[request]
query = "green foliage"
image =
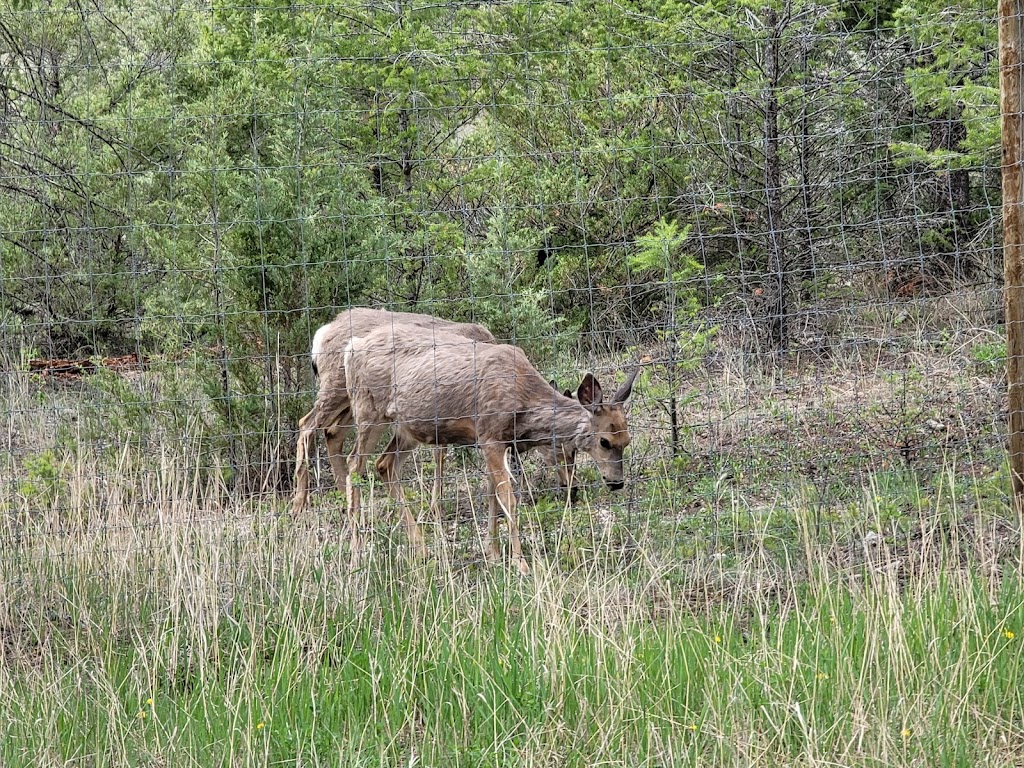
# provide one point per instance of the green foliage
(507, 300)
(41, 483)
(83, 159)
(953, 48)
(226, 177)
(673, 275)
(990, 357)
(134, 418)
(952, 82)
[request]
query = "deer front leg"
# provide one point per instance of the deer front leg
(435, 493)
(502, 496)
(389, 467)
(567, 473)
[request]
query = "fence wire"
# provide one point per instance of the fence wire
(787, 212)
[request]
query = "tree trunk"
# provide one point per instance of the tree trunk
(805, 264)
(778, 311)
(954, 191)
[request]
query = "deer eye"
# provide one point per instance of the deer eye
(605, 444)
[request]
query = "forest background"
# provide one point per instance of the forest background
(212, 181)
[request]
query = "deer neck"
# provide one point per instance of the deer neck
(556, 420)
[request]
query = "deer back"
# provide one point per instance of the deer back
(331, 339)
(444, 388)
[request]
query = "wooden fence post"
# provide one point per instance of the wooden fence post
(1010, 83)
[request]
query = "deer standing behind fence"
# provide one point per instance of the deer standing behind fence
(437, 388)
(331, 412)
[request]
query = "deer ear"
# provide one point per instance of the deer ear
(589, 391)
(554, 385)
(627, 387)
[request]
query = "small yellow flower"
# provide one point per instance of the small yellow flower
(260, 726)
(821, 676)
(718, 638)
(150, 701)
(1009, 634)
(905, 733)
(142, 714)
(692, 727)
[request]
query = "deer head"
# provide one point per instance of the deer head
(609, 432)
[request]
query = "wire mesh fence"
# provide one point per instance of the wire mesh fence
(783, 216)
(786, 212)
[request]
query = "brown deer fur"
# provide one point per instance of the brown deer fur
(331, 411)
(437, 388)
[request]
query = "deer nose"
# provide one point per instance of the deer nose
(616, 485)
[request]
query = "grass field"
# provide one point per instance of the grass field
(246, 639)
(821, 578)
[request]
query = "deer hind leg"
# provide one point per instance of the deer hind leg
(335, 436)
(316, 419)
(435, 493)
(302, 447)
(503, 498)
(366, 438)
(331, 408)
(389, 467)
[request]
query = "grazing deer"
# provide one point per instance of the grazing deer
(437, 388)
(331, 411)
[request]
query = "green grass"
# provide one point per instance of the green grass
(790, 592)
(160, 628)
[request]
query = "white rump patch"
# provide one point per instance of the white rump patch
(347, 358)
(318, 341)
